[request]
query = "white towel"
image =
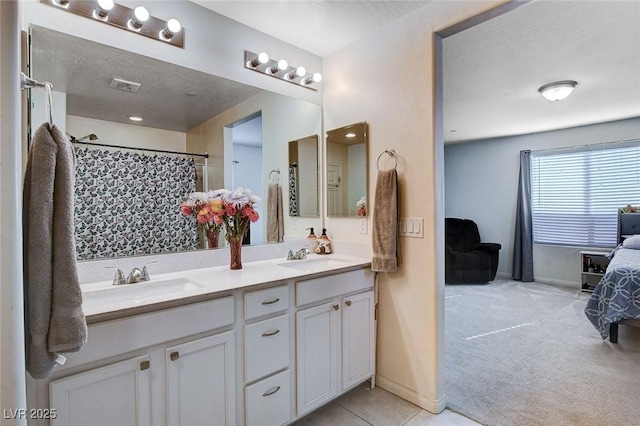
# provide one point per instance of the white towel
(54, 321)
(275, 219)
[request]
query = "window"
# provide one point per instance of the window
(576, 193)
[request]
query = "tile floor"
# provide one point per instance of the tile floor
(364, 406)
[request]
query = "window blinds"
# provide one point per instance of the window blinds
(576, 193)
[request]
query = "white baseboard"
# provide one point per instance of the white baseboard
(552, 281)
(431, 405)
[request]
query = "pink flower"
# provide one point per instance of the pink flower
(252, 215)
(217, 219)
(186, 209)
(229, 210)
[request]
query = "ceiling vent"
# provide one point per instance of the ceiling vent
(127, 86)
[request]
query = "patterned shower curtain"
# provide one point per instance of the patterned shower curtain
(293, 190)
(128, 204)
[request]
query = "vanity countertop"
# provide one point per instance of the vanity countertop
(103, 301)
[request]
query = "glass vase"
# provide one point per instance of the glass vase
(212, 238)
(235, 253)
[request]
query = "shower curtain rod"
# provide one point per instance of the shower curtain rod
(205, 155)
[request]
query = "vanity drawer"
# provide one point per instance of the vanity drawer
(264, 302)
(330, 286)
(266, 347)
(268, 402)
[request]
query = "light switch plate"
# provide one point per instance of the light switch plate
(363, 226)
(411, 227)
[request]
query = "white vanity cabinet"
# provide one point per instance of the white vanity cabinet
(115, 394)
(335, 337)
(264, 355)
(200, 381)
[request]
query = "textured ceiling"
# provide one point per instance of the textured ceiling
(84, 69)
(317, 26)
(492, 71)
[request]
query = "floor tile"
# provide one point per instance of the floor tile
(446, 418)
(378, 407)
(332, 414)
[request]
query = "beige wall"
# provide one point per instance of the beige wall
(387, 79)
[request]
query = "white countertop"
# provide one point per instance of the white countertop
(104, 301)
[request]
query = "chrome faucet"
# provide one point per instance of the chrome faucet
(135, 276)
(300, 254)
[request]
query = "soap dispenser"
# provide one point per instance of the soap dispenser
(312, 239)
(324, 243)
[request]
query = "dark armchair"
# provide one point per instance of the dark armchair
(467, 260)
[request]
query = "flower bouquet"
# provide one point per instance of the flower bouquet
(361, 205)
(203, 206)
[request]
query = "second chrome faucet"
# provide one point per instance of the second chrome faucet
(300, 254)
(135, 276)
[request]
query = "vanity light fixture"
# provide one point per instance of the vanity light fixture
(137, 20)
(280, 69)
(558, 90)
(102, 9)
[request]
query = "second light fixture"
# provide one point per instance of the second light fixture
(281, 69)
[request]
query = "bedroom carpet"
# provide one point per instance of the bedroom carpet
(525, 354)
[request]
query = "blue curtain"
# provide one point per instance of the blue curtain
(523, 242)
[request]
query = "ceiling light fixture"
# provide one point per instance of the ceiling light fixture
(134, 118)
(137, 20)
(280, 69)
(102, 9)
(558, 90)
(350, 135)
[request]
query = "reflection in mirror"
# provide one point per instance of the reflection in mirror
(183, 110)
(347, 171)
(303, 177)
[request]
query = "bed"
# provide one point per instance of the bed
(617, 296)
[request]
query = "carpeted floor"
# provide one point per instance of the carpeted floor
(525, 354)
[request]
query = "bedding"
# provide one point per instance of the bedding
(617, 295)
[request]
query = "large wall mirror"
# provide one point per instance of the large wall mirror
(303, 177)
(96, 93)
(346, 171)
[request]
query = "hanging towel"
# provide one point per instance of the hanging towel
(275, 220)
(385, 223)
(54, 321)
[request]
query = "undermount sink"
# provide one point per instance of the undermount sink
(313, 264)
(139, 292)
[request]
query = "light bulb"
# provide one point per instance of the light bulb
(301, 71)
(173, 27)
(315, 78)
(103, 9)
(140, 16)
(280, 66)
(262, 58)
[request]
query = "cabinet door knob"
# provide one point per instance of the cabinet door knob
(348, 303)
(174, 355)
(271, 302)
(271, 391)
(144, 365)
(336, 307)
(270, 333)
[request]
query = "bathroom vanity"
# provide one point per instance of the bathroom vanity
(262, 346)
